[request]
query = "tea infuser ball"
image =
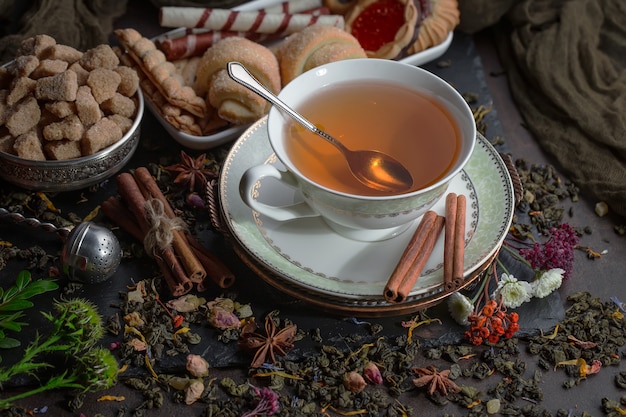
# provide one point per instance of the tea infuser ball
(91, 253)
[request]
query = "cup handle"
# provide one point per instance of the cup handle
(248, 189)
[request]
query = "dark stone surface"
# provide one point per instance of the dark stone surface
(471, 61)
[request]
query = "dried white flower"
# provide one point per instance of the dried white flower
(514, 293)
(460, 307)
(547, 282)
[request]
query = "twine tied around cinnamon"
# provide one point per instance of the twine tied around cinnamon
(161, 233)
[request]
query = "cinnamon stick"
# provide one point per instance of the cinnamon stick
(410, 254)
(177, 280)
(458, 270)
(150, 189)
(120, 215)
(454, 246)
(213, 266)
(216, 270)
(129, 191)
(418, 264)
(449, 242)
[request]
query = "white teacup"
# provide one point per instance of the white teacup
(348, 208)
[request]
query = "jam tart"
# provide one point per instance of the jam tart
(385, 28)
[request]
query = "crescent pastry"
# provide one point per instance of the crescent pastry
(314, 46)
(234, 102)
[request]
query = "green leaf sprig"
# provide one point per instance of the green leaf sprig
(14, 300)
(77, 328)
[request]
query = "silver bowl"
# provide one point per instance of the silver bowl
(77, 173)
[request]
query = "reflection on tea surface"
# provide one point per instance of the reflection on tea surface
(409, 125)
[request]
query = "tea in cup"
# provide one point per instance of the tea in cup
(401, 110)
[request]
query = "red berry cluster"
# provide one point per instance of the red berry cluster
(556, 252)
(491, 323)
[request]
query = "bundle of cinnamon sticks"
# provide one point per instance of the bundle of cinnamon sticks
(420, 247)
(143, 211)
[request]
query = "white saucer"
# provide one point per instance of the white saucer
(307, 254)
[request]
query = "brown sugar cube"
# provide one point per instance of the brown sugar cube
(36, 45)
(123, 122)
(69, 128)
(24, 65)
(61, 109)
(60, 87)
(119, 104)
(62, 150)
(6, 143)
(46, 118)
(25, 116)
(103, 83)
(102, 56)
(87, 107)
(22, 86)
(28, 146)
(129, 81)
(104, 133)
(63, 52)
(48, 67)
(81, 73)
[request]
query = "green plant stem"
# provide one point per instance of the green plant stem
(480, 290)
(27, 364)
(517, 256)
(501, 265)
(60, 381)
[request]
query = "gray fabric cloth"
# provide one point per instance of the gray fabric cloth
(82, 24)
(478, 15)
(565, 61)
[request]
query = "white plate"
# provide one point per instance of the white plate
(232, 132)
(308, 254)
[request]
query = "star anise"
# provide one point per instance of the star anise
(436, 381)
(191, 172)
(269, 345)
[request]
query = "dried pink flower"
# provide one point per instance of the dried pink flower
(353, 381)
(223, 319)
(197, 366)
(195, 201)
(194, 391)
(372, 373)
(186, 304)
(268, 403)
(556, 252)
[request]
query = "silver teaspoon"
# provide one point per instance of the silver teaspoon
(375, 169)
